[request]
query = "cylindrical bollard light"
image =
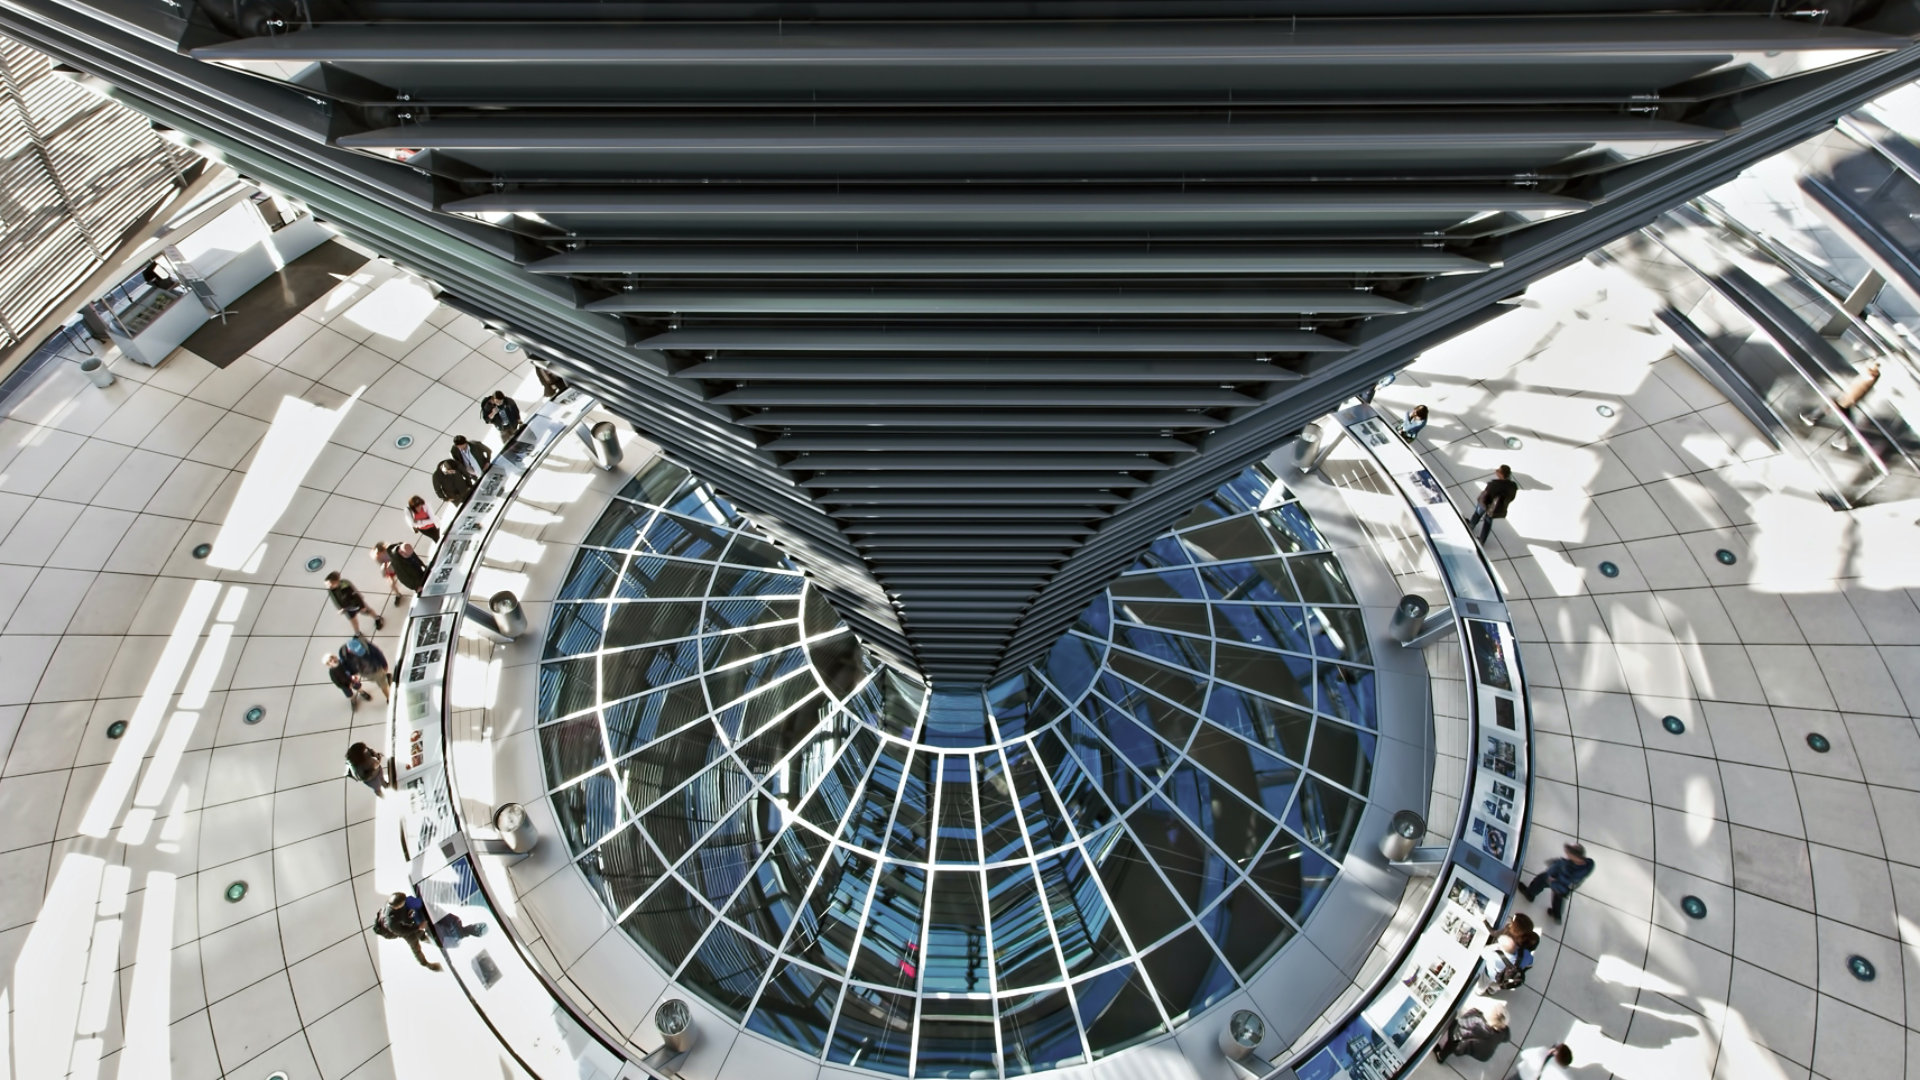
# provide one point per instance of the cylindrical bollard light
(1408, 618)
(96, 371)
(1306, 447)
(1242, 1034)
(1403, 835)
(516, 831)
(675, 1022)
(606, 445)
(509, 618)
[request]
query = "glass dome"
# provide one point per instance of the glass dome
(956, 880)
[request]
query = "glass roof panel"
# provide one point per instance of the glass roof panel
(925, 878)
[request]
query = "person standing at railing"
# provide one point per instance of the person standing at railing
(472, 457)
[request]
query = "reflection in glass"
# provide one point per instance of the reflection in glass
(909, 879)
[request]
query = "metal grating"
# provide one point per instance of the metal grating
(854, 259)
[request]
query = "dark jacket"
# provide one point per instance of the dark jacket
(345, 596)
(342, 678)
(481, 456)
(454, 486)
(410, 570)
(504, 414)
(1498, 495)
(1564, 877)
(1473, 1036)
(367, 661)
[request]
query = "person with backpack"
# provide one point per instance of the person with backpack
(405, 918)
(1476, 1033)
(348, 683)
(1493, 502)
(369, 766)
(1508, 959)
(368, 664)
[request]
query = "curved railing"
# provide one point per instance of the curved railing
(513, 994)
(1385, 1033)
(1398, 1016)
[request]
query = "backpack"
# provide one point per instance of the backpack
(380, 926)
(1514, 975)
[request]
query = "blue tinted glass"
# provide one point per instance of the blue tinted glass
(1293, 530)
(1159, 585)
(1072, 664)
(1347, 692)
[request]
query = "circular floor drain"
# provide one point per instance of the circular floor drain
(1727, 558)
(254, 715)
(513, 346)
(1607, 569)
(403, 441)
(1861, 967)
(236, 892)
(1695, 907)
(201, 551)
(116, 729)
(1818, 743)
(1513, 443)
(1604, 410)
(1674, 725)
(314, 564)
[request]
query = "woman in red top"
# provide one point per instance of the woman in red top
(421, 519)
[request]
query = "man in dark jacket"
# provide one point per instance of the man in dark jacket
(368, 664)
(1494, 500)
(344, 678)
(470, 456)
(1562, 876)
(450, 483)
(500, 410)
(350, 602)
(408, 568)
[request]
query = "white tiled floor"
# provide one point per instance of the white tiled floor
(1802, 858)
(102, 494)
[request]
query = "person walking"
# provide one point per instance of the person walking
(1857, 391)
(350, 602)
(551, 385)
(1563, 876)
(1414, 424)
(452, 484)
(348, 683)
(368, 664)
(1494, 500)
(369, 766)
(500, 410)
(1476, 1033)
(472, 457)
(421, 518)
(1544, 1063)
(405, 917)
